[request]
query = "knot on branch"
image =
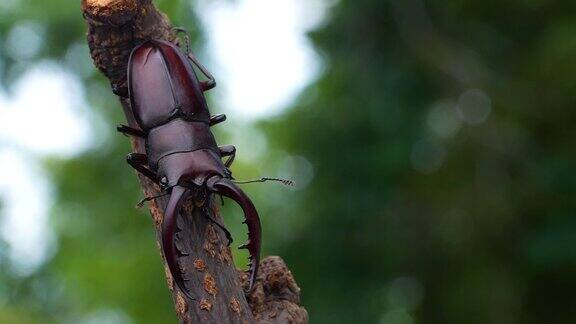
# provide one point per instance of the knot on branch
(113, 13)
(275, 297)
(115, 27)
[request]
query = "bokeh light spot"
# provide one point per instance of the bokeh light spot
(298, 169)
(443, 119)
(474, 106)
(25, 40)
(263, 57)
(427, 156)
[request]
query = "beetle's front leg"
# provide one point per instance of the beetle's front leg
(138, 161)
(230, 151)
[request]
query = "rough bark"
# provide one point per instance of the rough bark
(115, 27)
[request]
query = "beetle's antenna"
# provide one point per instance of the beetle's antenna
(141, 202)
(181, 30)
(285, 182)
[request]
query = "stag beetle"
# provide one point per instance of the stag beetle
(182, 157)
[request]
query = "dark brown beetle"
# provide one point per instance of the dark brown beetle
(182, 156)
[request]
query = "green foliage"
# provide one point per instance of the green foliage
(438, 141)
(476, 219)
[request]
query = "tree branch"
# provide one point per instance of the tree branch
(115, 27)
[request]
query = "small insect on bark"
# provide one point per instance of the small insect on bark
(182, 157)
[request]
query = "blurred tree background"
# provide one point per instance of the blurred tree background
(433, 153)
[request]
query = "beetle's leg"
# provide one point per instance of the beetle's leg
(205, 85)
(230, 151)
(127, 130)
(144, 200)
(138, 161)
(217, 119)
(211, 82)
(222, 227)
(120, 88)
